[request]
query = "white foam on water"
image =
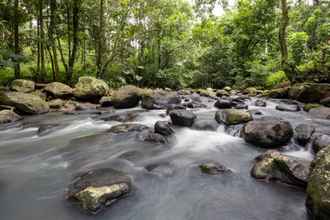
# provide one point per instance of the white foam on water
(82, 125)
(199, 141)
(151, 117)
(303, 154)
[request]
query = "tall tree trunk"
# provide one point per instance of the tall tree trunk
(51, 32)
(75, 39)
(100, 40)
(283, 33)
(41, 47)
(16, 40)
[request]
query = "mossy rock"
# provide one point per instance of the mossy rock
(8, 116)
(22, 85)
(273, 165)
(280, 93)
(90, 88)
(24, 102)
(59, 90)
(233, 116)
(309, 106)
(128, 97)
(318, 190)
(310, 92)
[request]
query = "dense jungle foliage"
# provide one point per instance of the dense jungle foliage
(166, 43)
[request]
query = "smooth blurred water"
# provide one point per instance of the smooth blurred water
(36, 166)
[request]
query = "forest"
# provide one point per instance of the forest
(166, 43)
(165, 109)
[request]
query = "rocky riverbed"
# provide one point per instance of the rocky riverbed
(137, 154)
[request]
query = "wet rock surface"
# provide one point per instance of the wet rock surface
(24, 102)
(97, 189)
(233, 116)
(268, 132)
(164, 128)
(276, 166)
(182, 118)
(318, 194)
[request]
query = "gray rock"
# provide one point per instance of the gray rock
(268, 132)
(164, 128)
(98, 189)
(182, 118)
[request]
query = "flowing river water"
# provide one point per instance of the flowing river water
(39, 156)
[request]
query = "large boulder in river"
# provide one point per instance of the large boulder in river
(164, 128)
(310, 92)
(90, 88)
(98, 189)
(288, 107)
(183, 118)
(205, 125)
(321, 113)
(126, 97)
(233, 116)
(276, 166)
(268, 132)
(8, 116)
(58, 90)
(160, 100)
(318, 193)
(24, 102)
(22, 85)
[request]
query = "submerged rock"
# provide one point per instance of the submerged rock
(22, 85)
(98, 189)
(90, 88)
(274, 165)
(125, 128)
(206, 125)
(233, 116)
(260, 103)
(321, 113)
(318, 193)
(121, 116)
(213, 168)
(24, 102)
(164, 128)
(8, 116)
(268, 132)
(288, 107)
(303, 133)
(182, 118)
(150, 136)
(58, 90)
